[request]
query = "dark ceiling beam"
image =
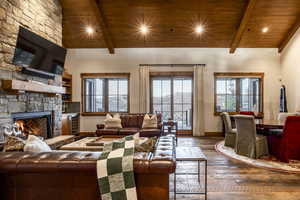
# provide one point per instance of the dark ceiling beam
(243, 25)
(289, 35)
(103, 25)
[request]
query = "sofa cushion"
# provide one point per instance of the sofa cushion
(130, 121)
(128, 131)
(150, 122)
(146, 145)
(149, 132)
(36, 145)
(14, 144)
(112, 122)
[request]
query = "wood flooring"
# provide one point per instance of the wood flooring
(233, 180)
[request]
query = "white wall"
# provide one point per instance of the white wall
(290, 66)
(217, 60)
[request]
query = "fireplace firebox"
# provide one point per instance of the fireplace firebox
(36, 123)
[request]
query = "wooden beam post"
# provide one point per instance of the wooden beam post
(243, 25)
(103, 25)
(289, 35)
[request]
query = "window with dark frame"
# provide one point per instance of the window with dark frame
(236, 92)
(105, 93)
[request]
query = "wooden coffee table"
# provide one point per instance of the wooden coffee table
(191, 154)
(89, 143)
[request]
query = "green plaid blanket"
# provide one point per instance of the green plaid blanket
(115, 171)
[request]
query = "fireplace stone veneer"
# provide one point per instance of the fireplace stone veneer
(45, 19)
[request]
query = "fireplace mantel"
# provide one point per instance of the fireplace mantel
(24, 86)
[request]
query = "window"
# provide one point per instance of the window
(235, 92)
(103, 93)
(171, 95)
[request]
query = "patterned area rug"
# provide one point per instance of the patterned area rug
(265, 162)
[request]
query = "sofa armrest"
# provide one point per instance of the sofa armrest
(100, 126)
(161, 161)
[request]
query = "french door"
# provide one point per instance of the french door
(172, 96)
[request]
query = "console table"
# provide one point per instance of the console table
(191, 154)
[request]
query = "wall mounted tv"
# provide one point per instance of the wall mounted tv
(38, 56)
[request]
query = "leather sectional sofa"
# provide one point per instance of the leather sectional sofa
(72, 175)
(131, 123)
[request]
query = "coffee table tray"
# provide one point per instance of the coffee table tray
(101, 141)
(95, 143)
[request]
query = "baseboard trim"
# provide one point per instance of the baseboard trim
(86, 133)
(214, 134)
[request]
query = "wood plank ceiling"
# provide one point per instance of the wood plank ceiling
(228, 23)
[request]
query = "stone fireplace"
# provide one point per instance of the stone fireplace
(45, 19)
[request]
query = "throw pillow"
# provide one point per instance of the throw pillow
(136, 138)
(113, 122)
(150, 122)
(36, 145)
(13, 144)
(147, 146)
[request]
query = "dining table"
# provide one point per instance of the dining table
(264, 126)
(269, 124)
(269, 127)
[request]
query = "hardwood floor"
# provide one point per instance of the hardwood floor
(233, 180)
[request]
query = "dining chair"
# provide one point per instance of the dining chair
(248, 143)
(287, 145)
(251, 113)
(282, 116)
(230, 133)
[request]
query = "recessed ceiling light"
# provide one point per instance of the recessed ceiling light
(89, 30)
(199, 29)
(144, 29)
(265, 29)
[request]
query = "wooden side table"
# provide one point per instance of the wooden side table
(170, 127)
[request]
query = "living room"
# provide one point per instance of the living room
(189, 87)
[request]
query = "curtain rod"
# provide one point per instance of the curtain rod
(173, 65)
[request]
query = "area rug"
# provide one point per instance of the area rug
(267, 162)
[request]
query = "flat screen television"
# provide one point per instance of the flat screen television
(38, 56)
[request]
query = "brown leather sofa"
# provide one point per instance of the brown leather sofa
(72, 175)
(132, 123)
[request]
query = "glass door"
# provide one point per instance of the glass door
(173, 97)
(161, 97)
(183, 102)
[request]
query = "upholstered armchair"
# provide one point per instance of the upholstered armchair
(282, 116)
(230, 133)
(251, 113)
(287, 145)
(248, 143)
